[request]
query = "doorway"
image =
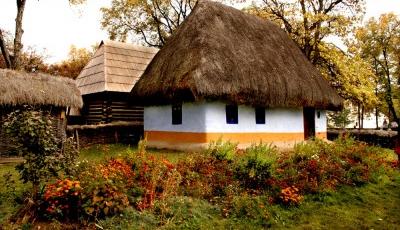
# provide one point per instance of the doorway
(309, 122)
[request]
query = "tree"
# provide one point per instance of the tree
(14, 61)
(378, 41)
(309, 23)
(152, 20)
(340, 118)
(31, 60)
(77, 60)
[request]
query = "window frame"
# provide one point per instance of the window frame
(176, 114)
(259, 118)
(232, 114)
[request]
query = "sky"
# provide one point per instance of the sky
(52, 26)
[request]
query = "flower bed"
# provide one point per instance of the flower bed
(222, 175)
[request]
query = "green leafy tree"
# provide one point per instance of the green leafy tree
(378, 41)
(341, 118)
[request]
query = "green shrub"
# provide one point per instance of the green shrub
(222, 150)
(256, 166)
(45, 156)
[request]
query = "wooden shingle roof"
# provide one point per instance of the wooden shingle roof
(115, 67)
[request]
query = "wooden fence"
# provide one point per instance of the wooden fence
(383, 138)
(117, 132)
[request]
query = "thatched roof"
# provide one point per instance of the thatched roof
(115, 67)
(221, 53)
(18, 88)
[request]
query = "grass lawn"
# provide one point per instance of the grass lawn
(372, 206)
(99, 152)
(10, 189)
(375, 206)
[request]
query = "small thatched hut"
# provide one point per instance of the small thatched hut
(107, 79)
(227, 74)
(45, 92)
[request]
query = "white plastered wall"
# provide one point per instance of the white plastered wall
(159, 118)
(320, 123)
(211, 118)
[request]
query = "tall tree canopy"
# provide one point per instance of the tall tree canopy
(378, 41)
(151, 20)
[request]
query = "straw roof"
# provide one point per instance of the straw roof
(115, 66)
(221, 53)
(18, 88)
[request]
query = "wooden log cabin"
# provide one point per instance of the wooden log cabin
(107, 79)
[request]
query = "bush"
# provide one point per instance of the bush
(104, 199)
(155, 178)
(43, 153)
(222, 150)
(256, 167)
(317, 167)
(62, 200)
(205, 176)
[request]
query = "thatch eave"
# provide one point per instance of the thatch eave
(21, 88)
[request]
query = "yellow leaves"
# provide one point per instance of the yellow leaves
(354, 76)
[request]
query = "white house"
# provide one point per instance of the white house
(226, 74)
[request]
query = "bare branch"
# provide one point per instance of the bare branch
(4, 50)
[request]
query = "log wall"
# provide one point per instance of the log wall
(110, 107)
(119, 132)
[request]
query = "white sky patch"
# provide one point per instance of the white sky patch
(54, 25)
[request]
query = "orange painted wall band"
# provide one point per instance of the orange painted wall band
(190, 137)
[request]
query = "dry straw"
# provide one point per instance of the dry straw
(221, 53)
(18, 88)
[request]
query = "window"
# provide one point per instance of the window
(260, 115)
(177, 114)
(231, 114)
(318, 114)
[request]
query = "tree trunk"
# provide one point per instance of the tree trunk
(362, 117)
(359, 115)
(16, 63)
(376, 117)
(4, 50)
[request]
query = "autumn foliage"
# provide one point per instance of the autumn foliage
(223, 174)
